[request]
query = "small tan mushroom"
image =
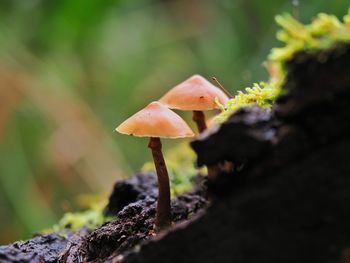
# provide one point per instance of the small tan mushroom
(195, 94)
(157, 121)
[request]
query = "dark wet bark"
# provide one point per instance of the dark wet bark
(132, 224)
(43, 248)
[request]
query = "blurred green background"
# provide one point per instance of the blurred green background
(71, 70)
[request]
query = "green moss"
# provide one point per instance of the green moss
(324, 32)
(262, 94)
(91, 218)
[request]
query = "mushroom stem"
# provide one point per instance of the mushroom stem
(163, 215)
(213, 171)
(199, 118)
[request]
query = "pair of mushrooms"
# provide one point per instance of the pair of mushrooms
(157, 121)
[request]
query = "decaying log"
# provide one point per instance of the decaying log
(287, 199)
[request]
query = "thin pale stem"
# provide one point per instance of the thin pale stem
(163, 215)
(296, 11)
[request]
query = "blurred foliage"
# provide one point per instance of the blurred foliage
(70, 71)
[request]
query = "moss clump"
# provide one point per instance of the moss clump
(262, 94)
(91, 218)
(324, 32)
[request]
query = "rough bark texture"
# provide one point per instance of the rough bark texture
(135, 221)
(133, 203)
(287, 199)
(44, 248)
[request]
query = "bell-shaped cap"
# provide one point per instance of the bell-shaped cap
(195, 93)
(155, 120)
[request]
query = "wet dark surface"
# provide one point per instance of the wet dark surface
(139, 187)
(44, 248)
(135, 221)
(132, 203)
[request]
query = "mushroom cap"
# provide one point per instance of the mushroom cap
(155, 120)
(195, 93)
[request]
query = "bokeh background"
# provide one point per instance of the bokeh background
(71, 70)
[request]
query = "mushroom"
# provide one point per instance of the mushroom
(195, 94)
(157, 121)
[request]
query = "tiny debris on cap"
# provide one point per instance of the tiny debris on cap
(195, 93)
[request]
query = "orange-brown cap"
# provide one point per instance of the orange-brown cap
(155, 120)
(195, 93)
